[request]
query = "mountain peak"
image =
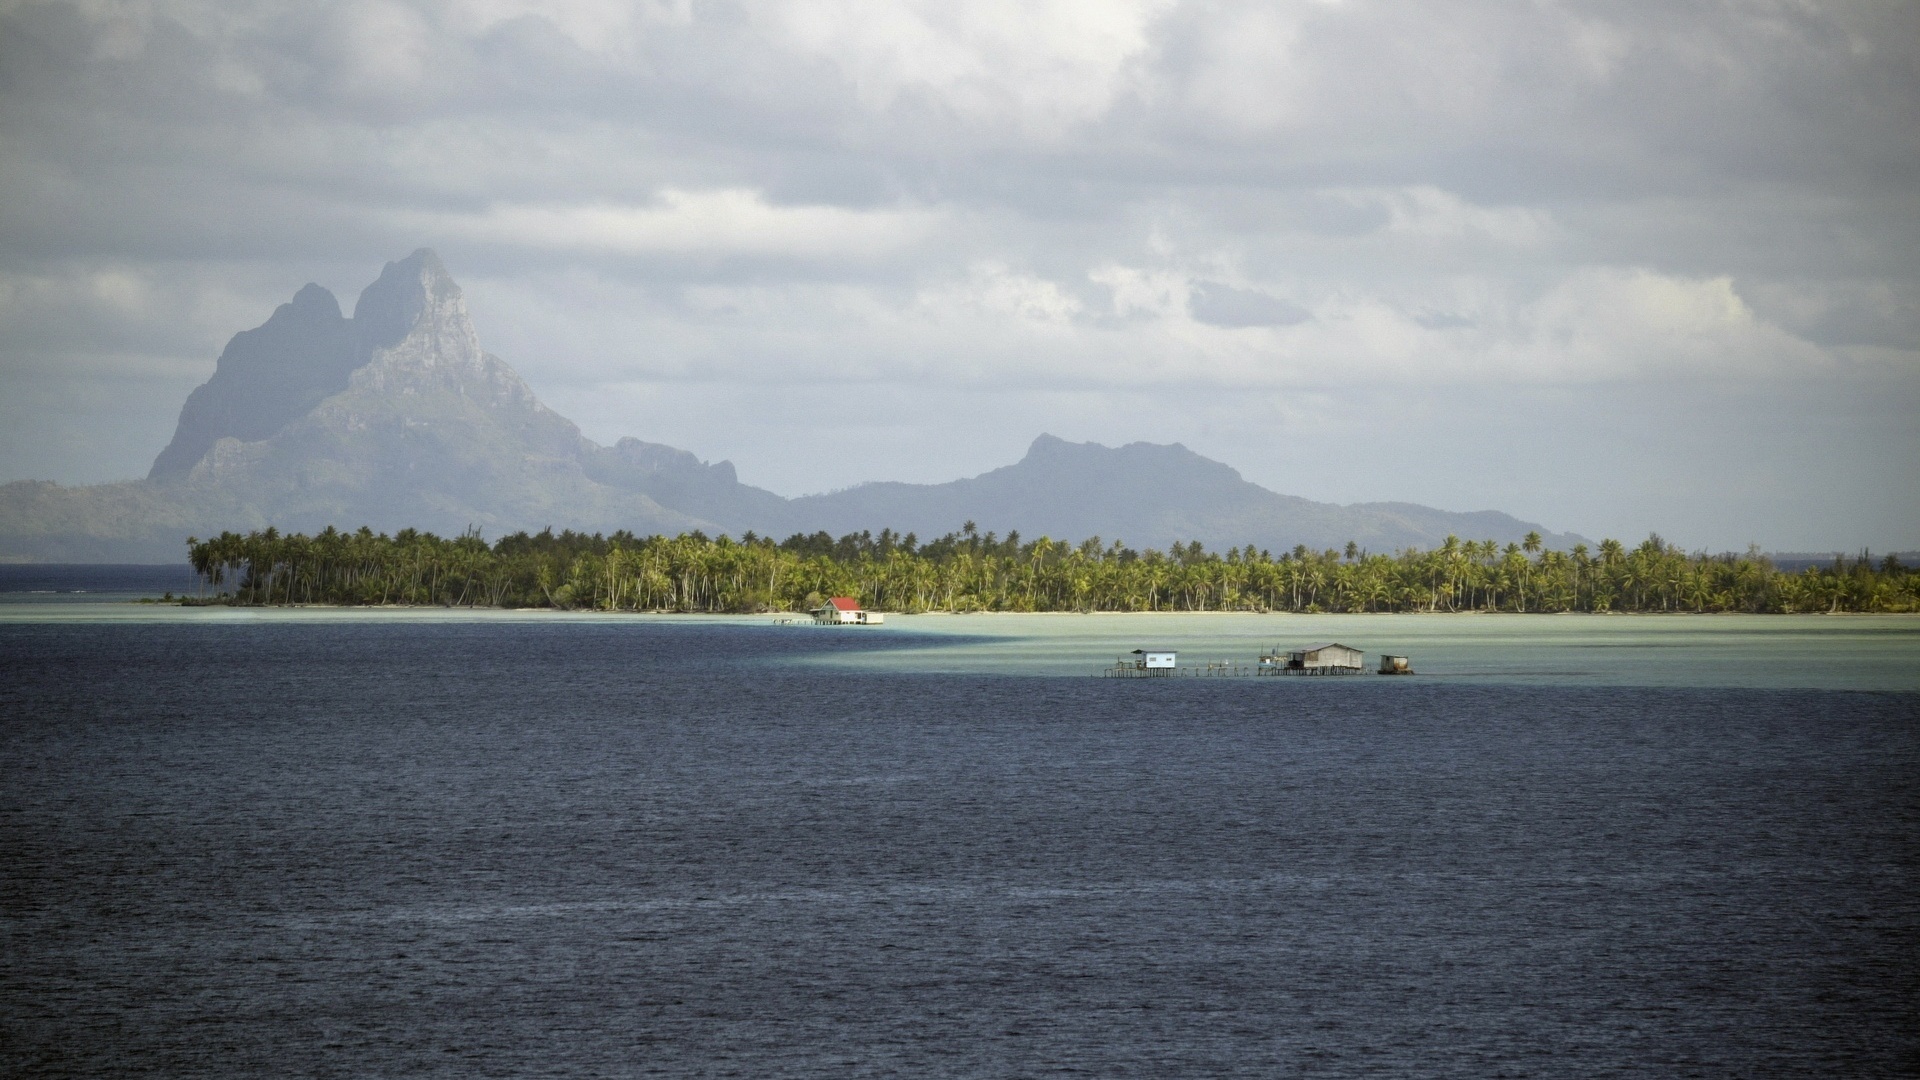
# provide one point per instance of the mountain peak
(311, 302)
(265, 377)
(1054, 453)
(393, 305)
(413, 318)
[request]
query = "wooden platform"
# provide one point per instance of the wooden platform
(1224, 670)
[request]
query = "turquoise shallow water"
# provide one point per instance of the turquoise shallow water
(1754, 651)
(1843, 652)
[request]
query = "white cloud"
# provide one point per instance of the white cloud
(1609, 322)
(1246, 75)
(1598, 324)
(997, 326)
(1142, 292)
(702, 224)
(123, 308)
(995, 290)
(607, 27)
(1430, 213)
(1039, 66)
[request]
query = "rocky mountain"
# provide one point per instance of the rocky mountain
(678, 479)
(396, 418)
(267, 378)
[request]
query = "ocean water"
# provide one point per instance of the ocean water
(318, 843)
(66, 583)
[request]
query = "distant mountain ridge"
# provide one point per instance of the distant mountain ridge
(1147, 494)
(397, 418)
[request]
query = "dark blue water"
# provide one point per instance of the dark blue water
(39, 582)
(599, 849)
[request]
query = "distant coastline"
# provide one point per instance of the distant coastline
(968, 571)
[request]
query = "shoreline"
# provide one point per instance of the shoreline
(104, 602)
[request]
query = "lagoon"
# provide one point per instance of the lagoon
(468, 843)
(1830, 652)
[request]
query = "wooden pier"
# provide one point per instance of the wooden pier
(1225, 669)
(1329, 659)
(1230, 670)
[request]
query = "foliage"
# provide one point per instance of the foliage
(967, 571)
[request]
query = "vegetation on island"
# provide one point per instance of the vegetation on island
(970, 571)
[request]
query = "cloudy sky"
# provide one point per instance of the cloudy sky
(1615, 267)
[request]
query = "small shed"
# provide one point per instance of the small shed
(1328, 656)
(846, 611)
(1154, 658)
(1394, 665)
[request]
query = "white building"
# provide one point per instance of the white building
(845, 610)
(1153, 658)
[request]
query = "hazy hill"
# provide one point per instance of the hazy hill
(397, 418)
(1148, 495)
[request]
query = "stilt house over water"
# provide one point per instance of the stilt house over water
(1329, 657)
(1144, 663)
(846, 611)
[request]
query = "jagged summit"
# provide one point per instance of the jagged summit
(267, 377)
(390, 308)
(277, 373)
(1144, 461)
(395, 417)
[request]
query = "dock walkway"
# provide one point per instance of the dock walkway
(1226, 669)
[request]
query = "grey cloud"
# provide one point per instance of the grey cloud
(1224, 305)
(1840, 313)
(520, 111)
(245, 148)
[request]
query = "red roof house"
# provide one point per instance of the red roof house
(845, 610)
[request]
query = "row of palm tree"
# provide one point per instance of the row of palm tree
(968, 571)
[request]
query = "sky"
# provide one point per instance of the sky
(1613, 267)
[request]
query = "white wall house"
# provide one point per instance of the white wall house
(845, 610)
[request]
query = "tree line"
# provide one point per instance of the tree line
(971, 571)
